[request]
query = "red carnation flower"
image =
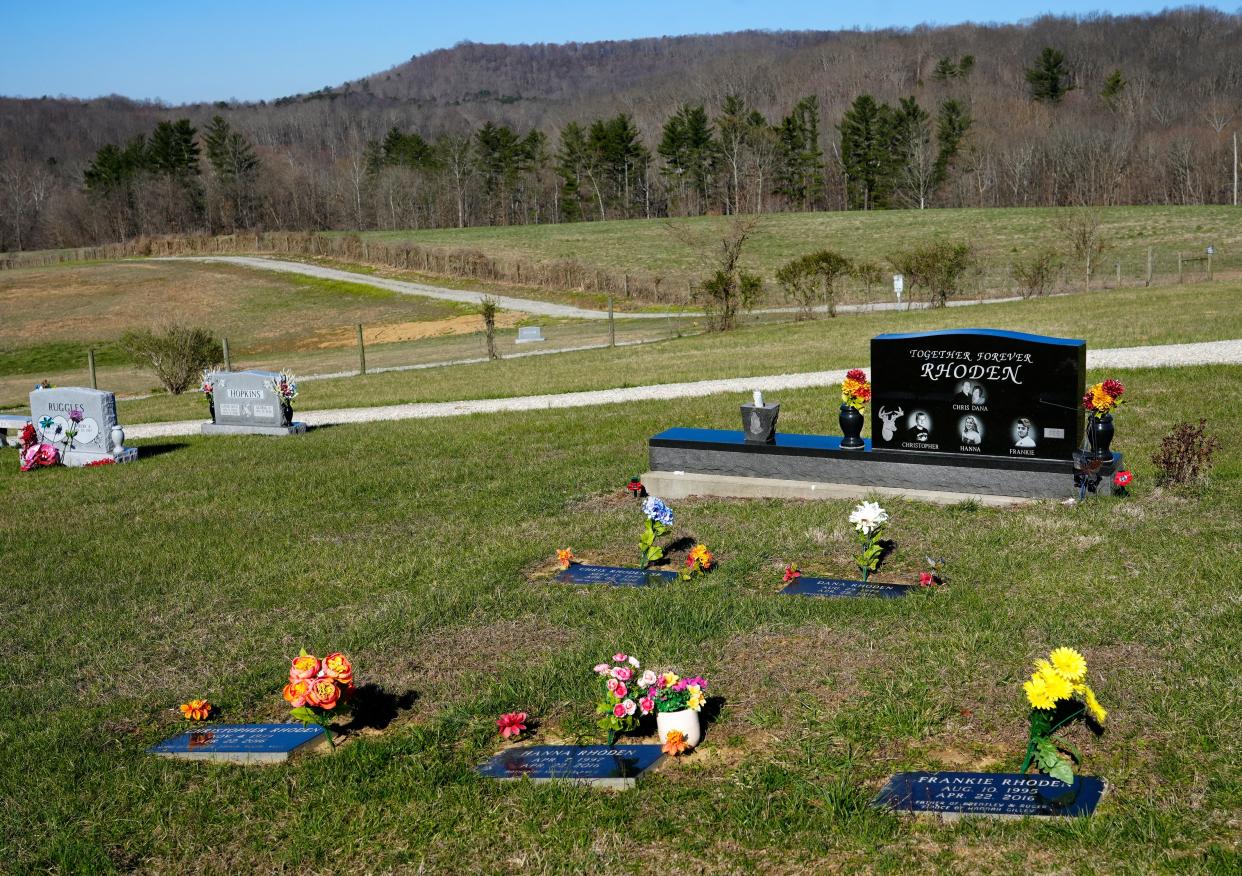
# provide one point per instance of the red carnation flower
(856, 374)
(1122, 478)
(1113, 387)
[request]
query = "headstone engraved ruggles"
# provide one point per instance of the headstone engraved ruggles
(81, 423)
(615, 576)
(1000, 795)
(246, 403)
(602, 766)
(804, 586)
(978, 391)
(242, 743)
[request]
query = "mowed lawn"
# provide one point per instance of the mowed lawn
(52, 316)
(1114, 318)
(423, 550)
(997, 235)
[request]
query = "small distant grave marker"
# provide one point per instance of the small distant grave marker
(242, 743)
(614, 576)
(530, 334)
(804, 586)
(246, 403)
(618, 767)
(98, 433)
(952, 795)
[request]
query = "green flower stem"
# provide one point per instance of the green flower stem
(1030, 746)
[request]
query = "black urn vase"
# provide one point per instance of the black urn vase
(211, 408)
(1100, 436)
(286, 414)
(851, 421)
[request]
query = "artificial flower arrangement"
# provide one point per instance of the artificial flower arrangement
(318, 690)
(196, 710)
(698, 562)
(792, 573)
(285, 386)
(673, 693)
(869, 520)
(1121, 480)
(1103, 398)
(856, 389)
(565, 558)
(511, 724)
(627, 695)
(1058, 694)
(33, 453)
(658, 524)
(208, 389)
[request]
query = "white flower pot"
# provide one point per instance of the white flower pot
(686, 721)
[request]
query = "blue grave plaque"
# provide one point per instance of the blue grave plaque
(804, 586)
(618, 766)
(615, 576)
(999, 795)
(242, 743)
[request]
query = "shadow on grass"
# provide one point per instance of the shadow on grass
(375, 708)
(147, 450)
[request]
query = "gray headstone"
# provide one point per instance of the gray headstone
(246, 398)
(98, 434)
(530, 334)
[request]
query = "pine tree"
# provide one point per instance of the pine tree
(912, 151)
(1049, 79)
(229, 153)
(801, 174)
(952, 124)
(866, 152)
(734, 131)
(172, 150)
(689, 152)
(1113, 86)
(572, 164)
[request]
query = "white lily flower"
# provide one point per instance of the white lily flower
(868, 517)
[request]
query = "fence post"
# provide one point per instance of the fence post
(1148, 283)
(627, 285)
(1179, 267)
(362, 352)
(90, 363)
(1118, 272)
(228, 364)
(1209, 266)
(612, 329)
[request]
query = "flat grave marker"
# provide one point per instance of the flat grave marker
(242, 743)
(804, 586)
(618, 767)
(614, 576)
(953, 795)
(530, 334)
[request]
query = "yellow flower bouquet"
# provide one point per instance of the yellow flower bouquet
(1058, 693)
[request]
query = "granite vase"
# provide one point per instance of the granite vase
(851, 421)
(1100, 436)
(286, 413)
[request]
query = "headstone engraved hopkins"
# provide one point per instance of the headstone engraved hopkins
(618, 766)
(96, 436)
(978, 392)
(246, 403)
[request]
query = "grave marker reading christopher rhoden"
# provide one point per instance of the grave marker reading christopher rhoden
(242, 743)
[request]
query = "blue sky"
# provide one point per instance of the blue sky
(179, 52)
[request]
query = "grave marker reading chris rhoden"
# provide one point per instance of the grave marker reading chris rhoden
(601, 766)
(242, 743)
(804, 586)
(614, 576)
(999, 795)
(978, 391)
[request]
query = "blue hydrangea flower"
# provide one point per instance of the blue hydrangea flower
(656, 510)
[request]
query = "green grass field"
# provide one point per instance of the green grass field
(1114, 318)
(422, 549)
(998, 236)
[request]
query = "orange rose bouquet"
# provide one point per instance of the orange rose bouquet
(318, 690)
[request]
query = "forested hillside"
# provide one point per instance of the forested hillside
(1099, 110)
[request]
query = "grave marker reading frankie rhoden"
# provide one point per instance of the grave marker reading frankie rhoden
(1000, 795)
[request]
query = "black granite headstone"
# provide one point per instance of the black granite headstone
(618, 766)
(803, 586)
(1010, 795)
(615, 576)
(242, 743)
(978, 391)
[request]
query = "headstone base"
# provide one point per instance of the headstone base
(291, 429)
(78, 458)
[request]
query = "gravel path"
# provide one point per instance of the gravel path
(1173, 355)
(521, 305)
